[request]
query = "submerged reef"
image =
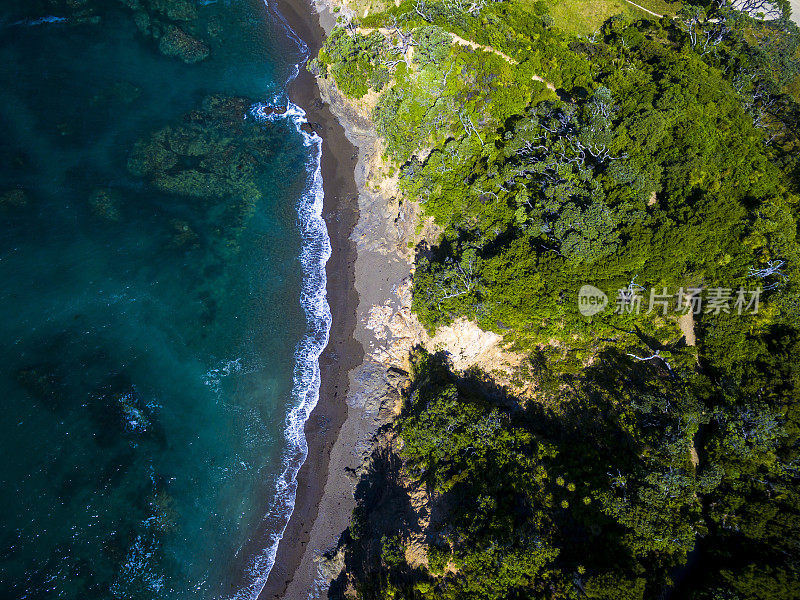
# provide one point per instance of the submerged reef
(215, 154)
(120, 435)
(184, 235)
(118, 413)
(13, 198)
(175, 24)
(123, 92)
(176, 42)
(74, 12)
(44, 383)
(105, 204)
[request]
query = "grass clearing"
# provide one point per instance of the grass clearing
(584, 17)
(662, 7)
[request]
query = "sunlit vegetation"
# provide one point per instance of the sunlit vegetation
(657, 154)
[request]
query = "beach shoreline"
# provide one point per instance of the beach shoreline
(369, 273)
(343, 353)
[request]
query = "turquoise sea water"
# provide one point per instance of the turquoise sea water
(157, 236)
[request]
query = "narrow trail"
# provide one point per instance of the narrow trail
(462, 42)
(476, 46)
(644, 9)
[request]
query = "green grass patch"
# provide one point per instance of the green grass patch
(584, 17)
(662, 7)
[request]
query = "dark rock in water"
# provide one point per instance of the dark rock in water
(118, 412)
(263, 112)
(176, 42)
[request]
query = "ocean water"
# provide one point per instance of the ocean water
(162, 302)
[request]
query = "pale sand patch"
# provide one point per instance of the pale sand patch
(686, 323)
(468, 345)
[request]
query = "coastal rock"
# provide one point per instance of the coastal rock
(371, 380)
(331, 563)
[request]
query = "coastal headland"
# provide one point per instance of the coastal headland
(498, 228)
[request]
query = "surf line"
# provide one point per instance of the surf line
(314, 254)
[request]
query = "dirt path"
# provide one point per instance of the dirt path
(476, 46)
(650, 12)
(468, 43)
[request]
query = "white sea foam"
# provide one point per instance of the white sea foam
(314, 254)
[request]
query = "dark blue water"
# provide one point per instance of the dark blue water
(153, 337)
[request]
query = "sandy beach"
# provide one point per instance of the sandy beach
(366, 268)
(343, 352)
